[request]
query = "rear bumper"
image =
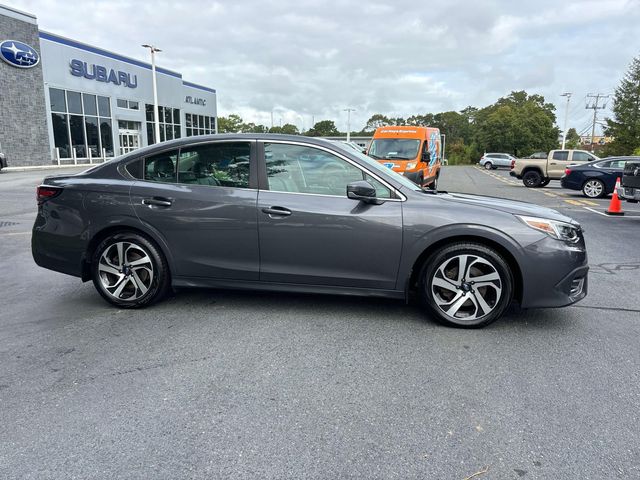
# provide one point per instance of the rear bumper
(629, 193)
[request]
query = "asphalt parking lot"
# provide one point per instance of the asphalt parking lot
(224, 384)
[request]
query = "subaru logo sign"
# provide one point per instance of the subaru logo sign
(19, 54)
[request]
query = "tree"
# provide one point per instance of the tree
(573, 139)
(624, 127)
(253, 128)
(324, 128)
(290, 129)
(231, 124)
(376, 121)
(518, 123)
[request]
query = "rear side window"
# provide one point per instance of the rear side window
(215, 164)
(161, 167)
(135, 168)
(561, 155)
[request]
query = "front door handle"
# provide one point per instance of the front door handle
(280, 211)
(157, 202)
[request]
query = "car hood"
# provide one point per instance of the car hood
(514, 207)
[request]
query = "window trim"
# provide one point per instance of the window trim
(253, 178)
(264, 181)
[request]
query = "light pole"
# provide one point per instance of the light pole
(156, 120)
(566, 118)
(349, 110)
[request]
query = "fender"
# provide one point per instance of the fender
(411, 253)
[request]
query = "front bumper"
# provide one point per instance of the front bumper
(555, 274)
(629, 193)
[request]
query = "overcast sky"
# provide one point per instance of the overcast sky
(312, 59)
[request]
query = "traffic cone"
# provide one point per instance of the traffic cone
(615, 207)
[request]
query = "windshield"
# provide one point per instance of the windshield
(376, 167)
(400, 148)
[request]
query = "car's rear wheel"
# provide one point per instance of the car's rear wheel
(532, 179)
(129, 271)
(593, 188)
(488, 165)
(466, 285)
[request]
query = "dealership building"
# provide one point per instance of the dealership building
(66, 102)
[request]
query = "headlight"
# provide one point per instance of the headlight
(566, 232)
(411, 166)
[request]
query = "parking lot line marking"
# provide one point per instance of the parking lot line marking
(574, 202)
(589, 202)
(596, 211)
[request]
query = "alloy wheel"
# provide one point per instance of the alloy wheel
(593, 188)
(125, 271)
(466, 287)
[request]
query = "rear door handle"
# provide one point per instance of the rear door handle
(157, 202)
(553, 163)
(280, 211)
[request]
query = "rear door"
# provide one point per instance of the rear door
(201, 199)
(311, 233)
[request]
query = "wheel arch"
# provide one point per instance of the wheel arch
(105, 232)
(510, 258)
(533, 168)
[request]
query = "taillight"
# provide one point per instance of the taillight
(513, 164)
(45, 193)
(567, 171)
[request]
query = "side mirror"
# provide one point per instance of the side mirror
(362, 191)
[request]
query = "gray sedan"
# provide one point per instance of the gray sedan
(297, 214)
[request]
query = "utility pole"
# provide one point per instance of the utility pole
(349, 110)
(156, 120)
(566, 117)
(594, 105)
(271, 118)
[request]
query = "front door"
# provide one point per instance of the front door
(129, 140)
(311, 233)
(201, 200)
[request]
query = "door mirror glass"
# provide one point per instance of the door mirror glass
(363, 191)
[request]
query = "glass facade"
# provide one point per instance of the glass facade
(169, 120)
(199, 124)
(82, 122)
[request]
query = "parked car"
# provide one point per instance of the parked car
(536, 172)
(302, 215)
(538, 155)
(492, 161)
(629, 189)
(595, 179)
(3, 161)
(413, 151)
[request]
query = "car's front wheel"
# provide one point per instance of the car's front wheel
(466, 285)
(488, 165)
(129, 271)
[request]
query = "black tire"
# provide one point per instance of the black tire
(488, 166)
(545, 182)
(532, 179)
(434, 184)
(498, 302)
(153, 274)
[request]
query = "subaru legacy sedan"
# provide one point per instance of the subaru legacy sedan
(298, 214)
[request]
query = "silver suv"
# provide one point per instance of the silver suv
(492, 161)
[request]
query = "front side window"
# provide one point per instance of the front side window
(161, 167)
(215, 164)
(561, 155)
(582, 157)
(398, 148)
(300, 169)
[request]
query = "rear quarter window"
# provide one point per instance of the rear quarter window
(135, 168)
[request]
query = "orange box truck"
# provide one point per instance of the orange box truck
(412, 151)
